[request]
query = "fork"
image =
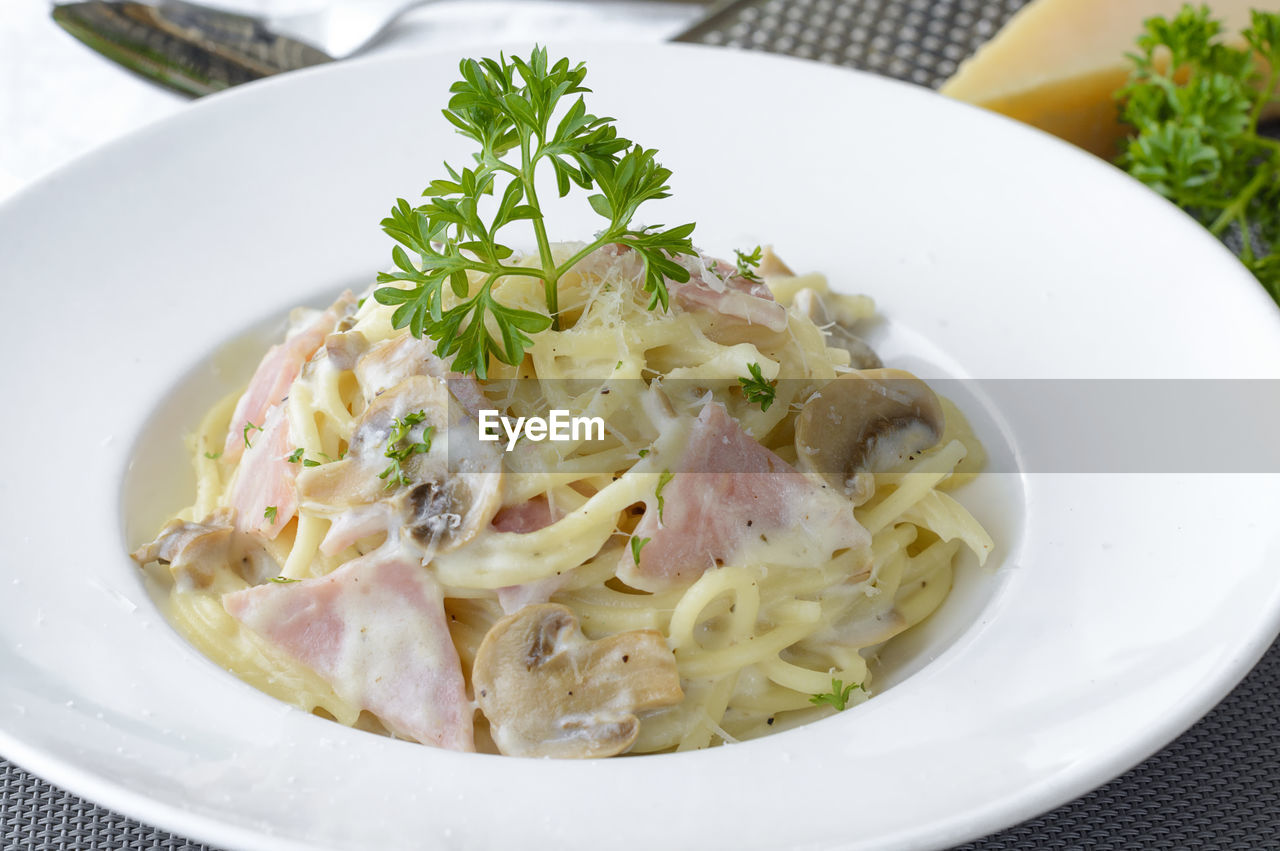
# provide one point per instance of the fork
(197, 50)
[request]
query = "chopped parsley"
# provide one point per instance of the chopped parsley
(400, 447)
(637, 544)
(838, 697)
(666, 476)
(247, 427)
(748, 263)
(757, 389)
(296, 455)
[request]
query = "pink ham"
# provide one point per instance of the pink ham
(529, 516)
(279, 368)
(375, 629)
(265, 479)
(513, 598)
(731, 295)
(729, 491)
(713, 286)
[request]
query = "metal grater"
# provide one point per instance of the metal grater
(918, 41)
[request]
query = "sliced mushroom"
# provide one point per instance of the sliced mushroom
(548, 691)
(393, 360)
(397, 358)
(195, 552)
(345, 348)
(442, 498)
(865, 422)
(861, 356)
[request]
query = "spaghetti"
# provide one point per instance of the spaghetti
(701, 514)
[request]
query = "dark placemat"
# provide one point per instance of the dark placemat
(1217, 787)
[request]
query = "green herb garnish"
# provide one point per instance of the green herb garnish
(281, 580)
(637, 544)
(270, 514)
(247, 427)
(522, 115)
(838, 697)
(296, 455)
(666, 476)
(1197, 140)
(748, 263)
(213, 456)
(395, 474)
(757, 389)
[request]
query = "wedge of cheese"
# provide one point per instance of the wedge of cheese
(1057, 63)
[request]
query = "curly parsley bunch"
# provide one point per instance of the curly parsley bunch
(1197, 140)
(522, 115)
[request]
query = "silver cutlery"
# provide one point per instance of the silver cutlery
(197, 50)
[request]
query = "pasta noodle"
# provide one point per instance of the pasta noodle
(755, 630)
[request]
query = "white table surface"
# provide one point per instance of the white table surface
(59, 99)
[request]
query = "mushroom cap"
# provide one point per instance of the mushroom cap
(454, 489)
(861, 356)
(344, 348)
(195, 552)
(549, 691)
(866, 421)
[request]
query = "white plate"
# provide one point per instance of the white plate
(1122, 608)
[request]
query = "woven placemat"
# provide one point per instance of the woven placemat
(1216, 787)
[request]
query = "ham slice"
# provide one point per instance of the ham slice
(265, 480)
(731, 295)
(375, 629)
(713, 286)
(529, 516)
(728, 494)
(279, 368)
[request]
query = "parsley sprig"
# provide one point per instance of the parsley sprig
(838, 697)
(757, 389)
(401, 447)
(522, 114)
(1197, 140)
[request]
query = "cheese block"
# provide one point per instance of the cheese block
(1057, 63)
